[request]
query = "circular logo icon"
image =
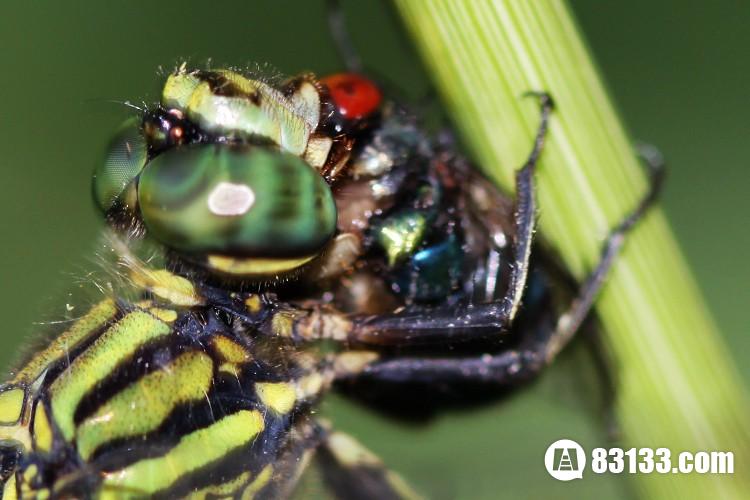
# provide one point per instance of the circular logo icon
(565, 460)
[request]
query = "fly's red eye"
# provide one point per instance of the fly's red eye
(354, 96)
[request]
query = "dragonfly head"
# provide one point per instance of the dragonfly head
(234, 194)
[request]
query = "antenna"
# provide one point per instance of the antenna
(340, 34)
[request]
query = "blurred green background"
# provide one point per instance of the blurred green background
(677, 70)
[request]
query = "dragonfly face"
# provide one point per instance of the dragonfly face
(235, 175)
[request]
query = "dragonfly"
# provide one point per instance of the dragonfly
(276, 240)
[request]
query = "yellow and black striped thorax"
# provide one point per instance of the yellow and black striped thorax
(145, 400)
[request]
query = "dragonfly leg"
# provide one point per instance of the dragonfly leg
(352, 471)
(536, 350)
(281, 478)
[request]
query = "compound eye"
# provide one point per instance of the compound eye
(125, 158)
(354, 96)
(237, 202)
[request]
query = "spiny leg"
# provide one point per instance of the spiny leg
(525, 213)
(540, 347)
(570, 321)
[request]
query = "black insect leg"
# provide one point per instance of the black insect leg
(525, 216)
(468, 321)
(304, 438)
(569, 322)
(539, 347)
(500, 369)
(352, 471)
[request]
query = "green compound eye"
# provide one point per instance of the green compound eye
(125, 158)
(245, 210)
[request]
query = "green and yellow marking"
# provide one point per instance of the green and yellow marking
(257, 266)
(114, 346)
(226, 489)
(230, 369)
(95, 319)
(11, 405)
(42, 428)
(278, 396)
(193, 452)
(153, 398)
(229, 350)
(253, 303)
(166, 315)
(231, 353)
(179, 87)
(10, 490)
(27, 478)
(258, 483)
(167, 286)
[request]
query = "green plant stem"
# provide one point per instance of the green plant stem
(677, 386)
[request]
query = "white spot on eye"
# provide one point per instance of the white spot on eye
(230, 199)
